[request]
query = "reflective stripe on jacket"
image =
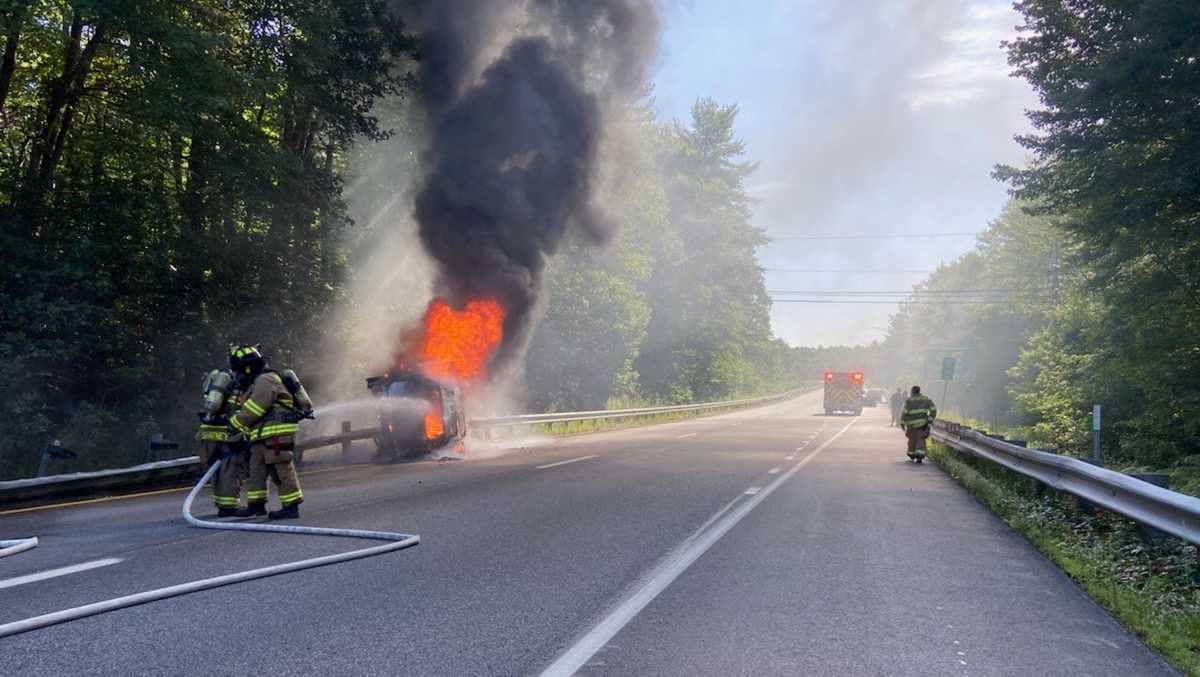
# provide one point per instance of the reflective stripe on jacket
(919, 411)
(217, 429)
(212, 433)
(267, 411)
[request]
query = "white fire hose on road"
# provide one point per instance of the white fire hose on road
(396, 541)
(17, 545)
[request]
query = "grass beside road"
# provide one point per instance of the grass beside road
(615, 423)
(597, 425)
(1152, 584)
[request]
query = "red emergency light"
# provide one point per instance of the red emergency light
(857, 375)
(829, 376)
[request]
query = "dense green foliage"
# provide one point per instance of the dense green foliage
(1017, 252)
(1116, 161)
(1100, 251)
(169, 182)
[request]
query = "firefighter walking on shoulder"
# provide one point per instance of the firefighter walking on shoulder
(269, 419)
(919, 413)
(220, 396)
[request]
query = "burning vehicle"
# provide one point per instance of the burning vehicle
(421, 395)
(418, 414)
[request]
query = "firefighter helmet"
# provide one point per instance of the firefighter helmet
(246, 360)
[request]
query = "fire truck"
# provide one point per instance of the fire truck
(844, 392)
(416, 414)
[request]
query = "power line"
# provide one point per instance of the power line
(868, 236)
(845, 270)
(896, 302)
(901, 293)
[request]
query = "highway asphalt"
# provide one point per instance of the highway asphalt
(769, 541)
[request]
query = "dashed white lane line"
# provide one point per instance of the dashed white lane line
(790, 458)
(61, 571)
(678, 561)
(774, 471)
(555, 465)
(680, 437)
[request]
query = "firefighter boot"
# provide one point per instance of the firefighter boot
(287, 512)
(227, 512)
(251, 510)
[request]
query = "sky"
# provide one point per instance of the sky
(866, 117)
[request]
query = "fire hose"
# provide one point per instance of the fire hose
(14, 546)
(396, 541)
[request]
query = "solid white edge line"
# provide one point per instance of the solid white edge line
(555, 465)
(665, 573)
(61, 571)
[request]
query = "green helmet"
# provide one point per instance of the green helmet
(246, 360)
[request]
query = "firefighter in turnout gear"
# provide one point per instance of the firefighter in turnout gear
(896, 402)
(919, 413)
(269, 419)
(220, 396)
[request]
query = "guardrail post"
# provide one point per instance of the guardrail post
(1086, 507)
(44, 463)
(346, 443)
(156, 444)
(1158, 479)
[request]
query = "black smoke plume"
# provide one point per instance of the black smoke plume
(517, 93)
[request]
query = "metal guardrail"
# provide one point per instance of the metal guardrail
(33, 488)
(177, 470)
(573, 416)
(1168, 511)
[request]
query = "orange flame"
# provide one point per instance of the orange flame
(435, 426)
(457, 344)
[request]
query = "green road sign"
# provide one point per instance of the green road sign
(947, 368)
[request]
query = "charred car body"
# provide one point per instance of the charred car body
(416, 415)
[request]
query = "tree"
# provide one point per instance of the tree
(709, 306)
(1015, 280)
(1116, 147)
(170, 180)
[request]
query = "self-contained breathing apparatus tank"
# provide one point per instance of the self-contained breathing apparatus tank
(304, 403)
(216, 390)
